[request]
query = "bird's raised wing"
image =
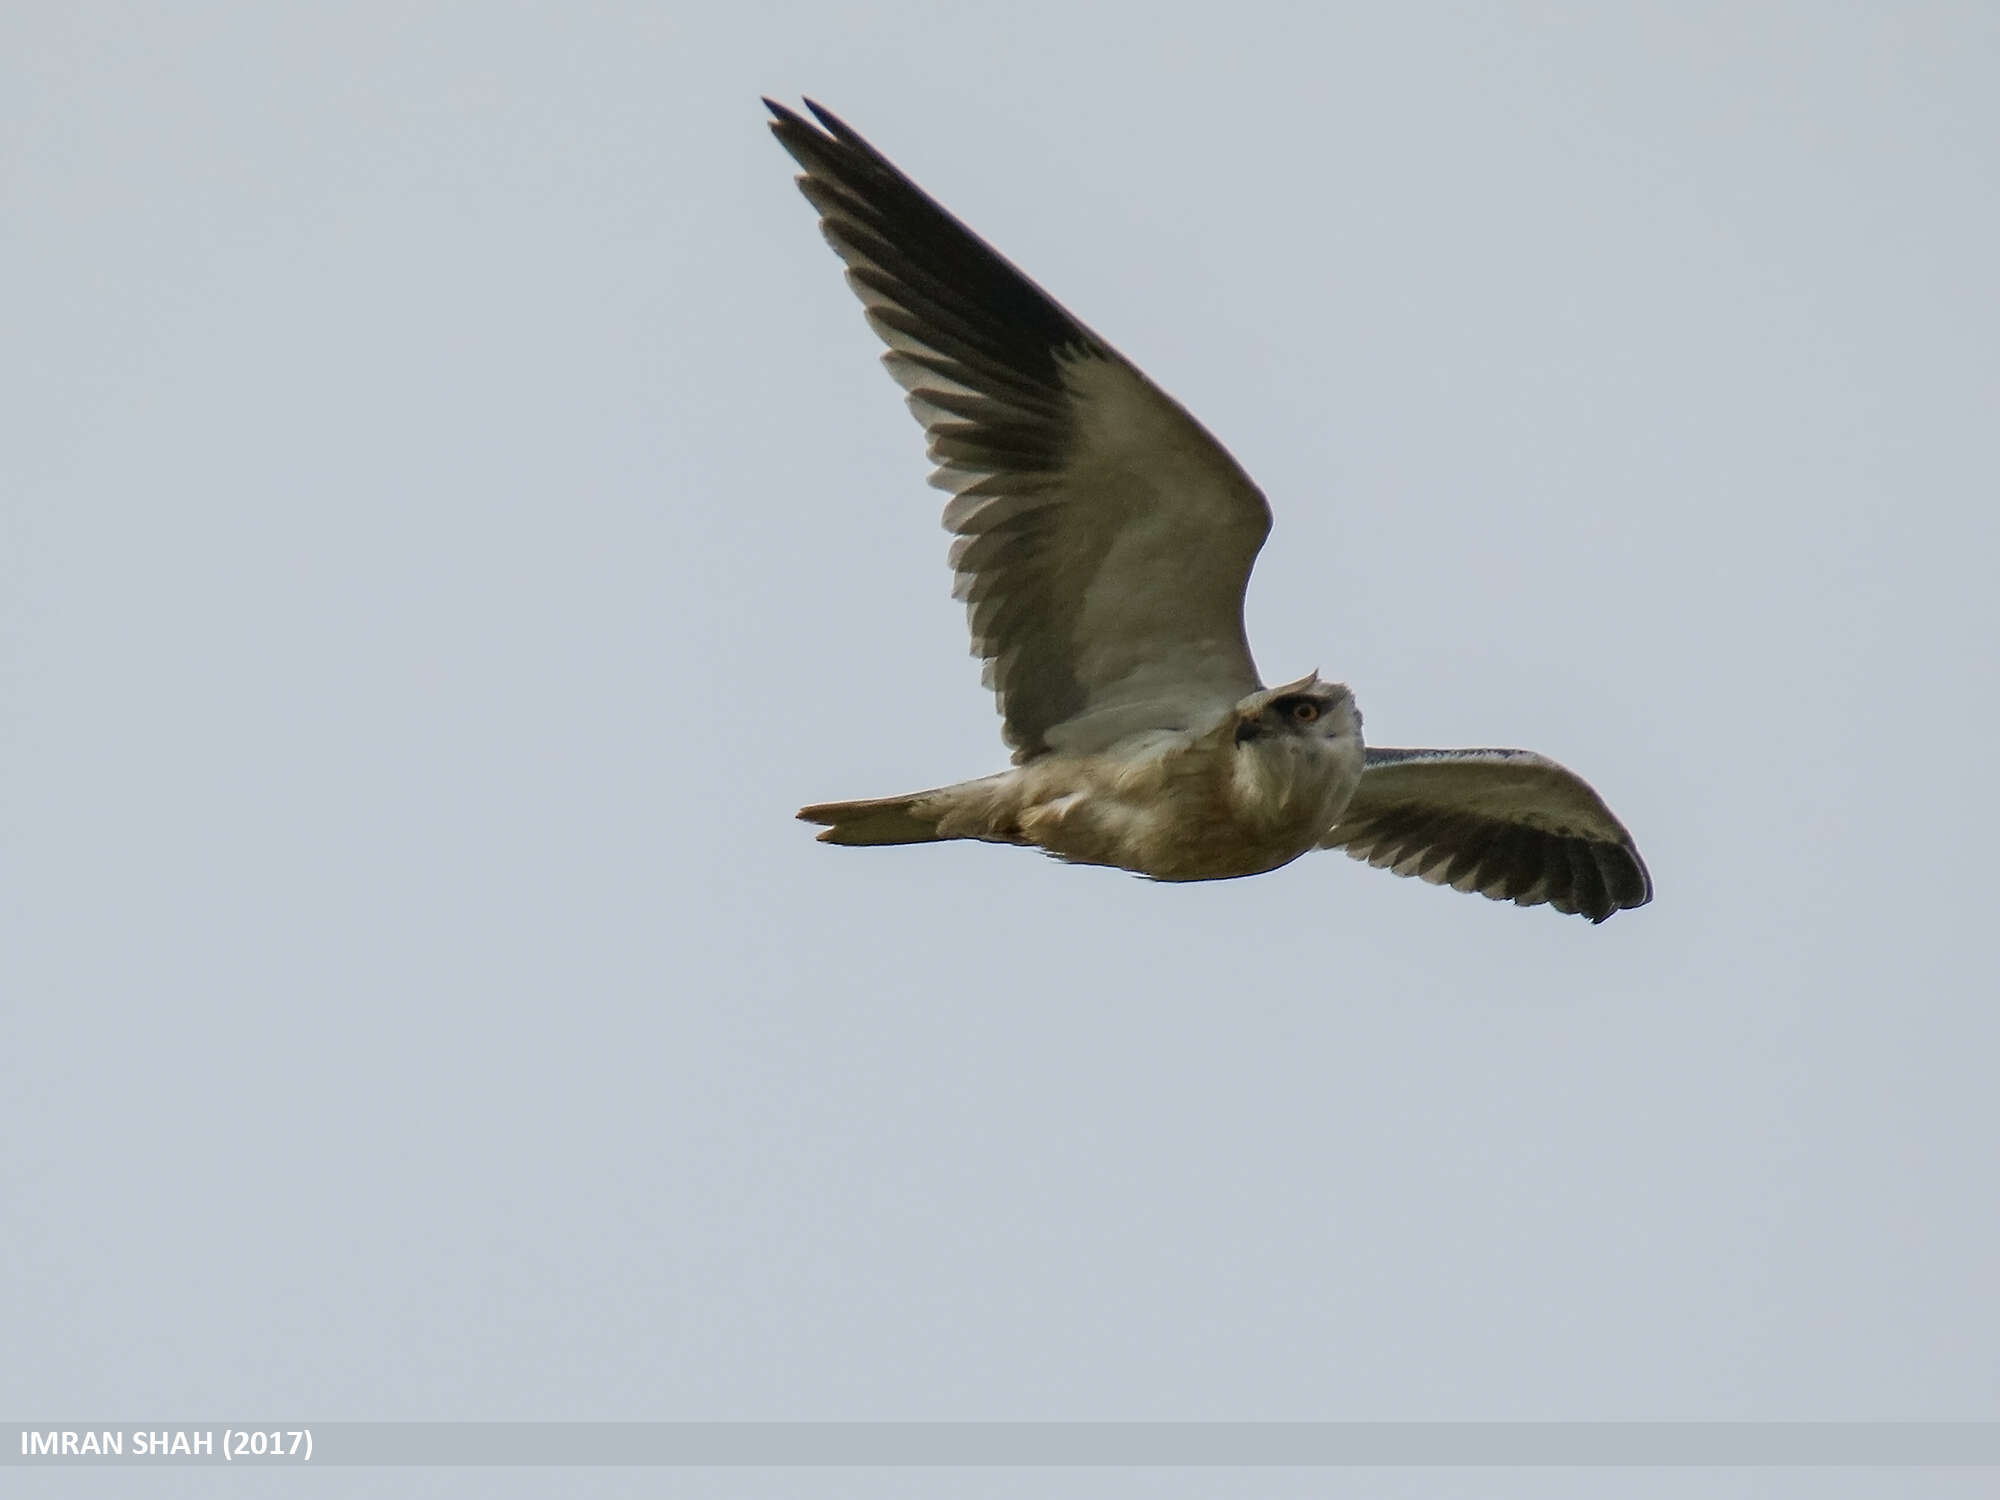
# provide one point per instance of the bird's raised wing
(1509, 824)
(1104, 538)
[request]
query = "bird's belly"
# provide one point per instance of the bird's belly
(1194, 826)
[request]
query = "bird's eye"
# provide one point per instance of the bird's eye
(1304, 712)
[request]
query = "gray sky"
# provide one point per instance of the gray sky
(452, 518)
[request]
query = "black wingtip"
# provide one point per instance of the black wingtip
(836, 127)
(833, 123)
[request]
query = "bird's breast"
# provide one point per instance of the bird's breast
(1290, 783)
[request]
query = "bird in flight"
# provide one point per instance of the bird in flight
(1103, 544)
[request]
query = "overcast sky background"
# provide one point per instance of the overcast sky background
(452, 518)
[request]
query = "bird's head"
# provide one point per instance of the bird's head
(1307, 709)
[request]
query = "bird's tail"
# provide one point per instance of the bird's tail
(883, 820)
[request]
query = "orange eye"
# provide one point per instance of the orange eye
(1304, 713)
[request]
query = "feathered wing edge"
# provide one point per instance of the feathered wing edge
(1510, 825)
(1104, 538)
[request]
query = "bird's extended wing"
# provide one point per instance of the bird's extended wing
(1509, 824)
(1104, 538)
